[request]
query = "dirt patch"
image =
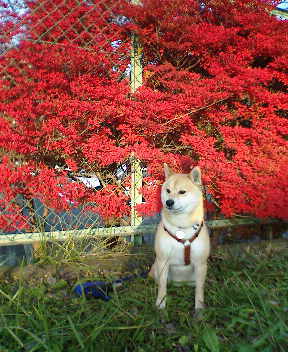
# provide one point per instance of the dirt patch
(111, 265)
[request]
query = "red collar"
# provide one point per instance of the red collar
(187, 242)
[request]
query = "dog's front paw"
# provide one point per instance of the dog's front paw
(161, 304)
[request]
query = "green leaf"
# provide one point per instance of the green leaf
(211, 340)
(245, 348)
(184, 340)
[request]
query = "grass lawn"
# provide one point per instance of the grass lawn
(246, 295)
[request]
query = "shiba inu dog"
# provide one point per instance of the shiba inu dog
(182, 242)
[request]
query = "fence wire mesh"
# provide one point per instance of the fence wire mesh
(49, 50)
(63, 168)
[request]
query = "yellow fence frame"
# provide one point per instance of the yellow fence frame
(121, 231)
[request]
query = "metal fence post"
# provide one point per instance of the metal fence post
(136, 196)
(136, 81)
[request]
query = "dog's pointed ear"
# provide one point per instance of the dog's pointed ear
(195, 175)
(167, 171)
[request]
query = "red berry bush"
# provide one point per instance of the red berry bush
(214, 94)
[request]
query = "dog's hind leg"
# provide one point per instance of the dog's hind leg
(200, 276)
(152, 272)
(162, 268)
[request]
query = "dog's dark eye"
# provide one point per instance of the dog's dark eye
(168, 190)
(182, 192)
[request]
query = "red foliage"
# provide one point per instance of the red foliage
(214, 94)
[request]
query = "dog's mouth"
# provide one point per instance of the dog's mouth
(171, 206)
(172, 209)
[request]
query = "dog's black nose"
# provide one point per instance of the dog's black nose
(169, 203)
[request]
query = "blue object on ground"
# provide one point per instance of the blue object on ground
(96, 289)
(100, 289)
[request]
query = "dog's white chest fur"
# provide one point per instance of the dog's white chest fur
(176, 249)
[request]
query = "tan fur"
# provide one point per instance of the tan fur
(188, 210)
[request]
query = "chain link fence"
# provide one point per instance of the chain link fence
(54, 56)
(41, 42)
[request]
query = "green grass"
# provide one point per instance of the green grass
(246, 295)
